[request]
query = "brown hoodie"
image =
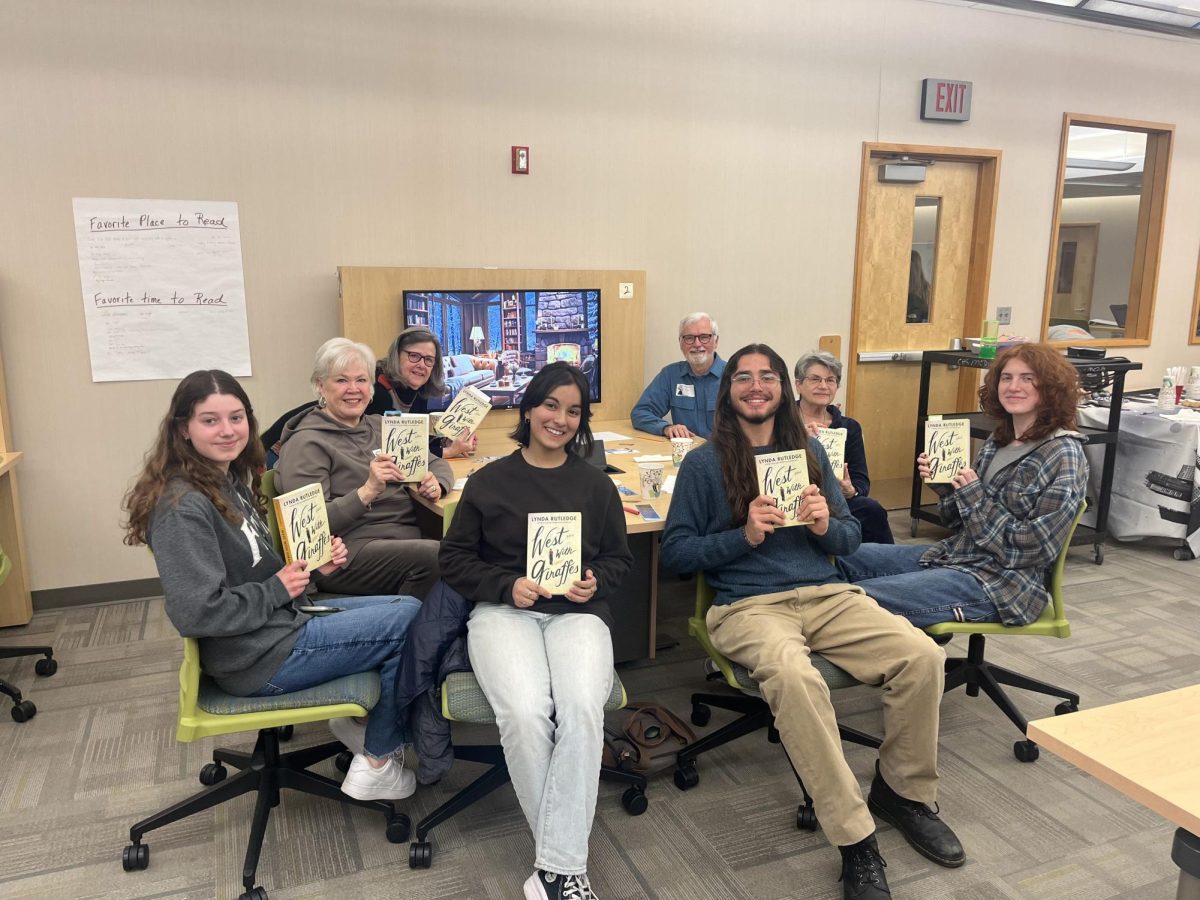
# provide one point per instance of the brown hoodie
(315, 448)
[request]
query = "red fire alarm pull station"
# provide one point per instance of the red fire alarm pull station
(520, 160)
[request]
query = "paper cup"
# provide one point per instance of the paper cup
(651, 477)
(680, 448)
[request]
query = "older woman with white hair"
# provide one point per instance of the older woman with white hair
(369, 506)
(817, 376)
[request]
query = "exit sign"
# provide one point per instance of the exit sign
(943, 100)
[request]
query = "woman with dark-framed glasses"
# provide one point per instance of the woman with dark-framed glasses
(405, 380)
(817, 375)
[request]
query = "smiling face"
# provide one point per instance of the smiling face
(699, 345)
(1017, 389)
(347, 393)
(553, 423)
(755, 389)
(818, 386)
(218, 429)
(416, 363)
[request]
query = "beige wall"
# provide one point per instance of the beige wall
(715, 145)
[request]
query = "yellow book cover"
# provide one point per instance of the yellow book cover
(406, 437)
(834, 442)
(464, 414)
(304, 526)
(554, 554)
(948, 446)
(784, 476)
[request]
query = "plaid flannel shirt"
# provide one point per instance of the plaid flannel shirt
(1009, 533)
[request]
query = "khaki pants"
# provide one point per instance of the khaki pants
(772, 635)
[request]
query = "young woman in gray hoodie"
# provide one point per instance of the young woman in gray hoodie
(197, 505)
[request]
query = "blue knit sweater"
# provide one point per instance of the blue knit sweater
(701, 536)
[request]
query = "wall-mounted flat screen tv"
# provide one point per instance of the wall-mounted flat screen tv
(497, 340)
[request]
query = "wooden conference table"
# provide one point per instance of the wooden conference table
(1146, 749)
(635, 607)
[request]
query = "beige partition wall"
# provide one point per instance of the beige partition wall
(16, 608)
(371, 311)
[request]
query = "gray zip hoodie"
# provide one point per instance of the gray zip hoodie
(219, 584)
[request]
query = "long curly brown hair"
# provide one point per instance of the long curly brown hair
(734, 452)
(1058, 392)
(172, 456)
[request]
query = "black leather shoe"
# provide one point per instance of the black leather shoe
(920, 825)
(862, 872)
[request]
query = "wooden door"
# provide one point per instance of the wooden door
(956, 249)
(1074, 274)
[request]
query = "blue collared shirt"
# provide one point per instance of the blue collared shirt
(690, 399)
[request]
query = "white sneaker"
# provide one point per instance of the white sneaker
(391, 781)
(350, 732)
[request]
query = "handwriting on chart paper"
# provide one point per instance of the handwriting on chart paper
(163, 292)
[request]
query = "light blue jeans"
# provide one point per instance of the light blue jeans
(547, 677)
(368, 634)
(892, 574)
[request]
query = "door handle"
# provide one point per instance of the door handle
(890, 356)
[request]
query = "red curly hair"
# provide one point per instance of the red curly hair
(1058, 390)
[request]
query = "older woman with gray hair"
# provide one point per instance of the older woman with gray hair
(335, 444)
(409, 376)
(817, 376)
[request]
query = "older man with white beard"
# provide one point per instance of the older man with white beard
(686, 390)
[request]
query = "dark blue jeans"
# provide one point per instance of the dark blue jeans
(892, 574)
(368, 634)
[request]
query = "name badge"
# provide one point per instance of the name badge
(685, 390)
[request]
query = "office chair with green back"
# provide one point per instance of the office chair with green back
(975, 672)
(749, 702)
(206, 711)
(463, 700)
(23, 710)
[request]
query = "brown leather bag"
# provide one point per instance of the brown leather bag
(650, 738)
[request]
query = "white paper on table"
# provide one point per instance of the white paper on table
(642, 459)
(610, 436)
(459, 483)
(163, 292)
(617, 450)
(1184, 415)
(668, 484)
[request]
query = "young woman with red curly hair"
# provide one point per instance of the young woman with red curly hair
(1010, 512)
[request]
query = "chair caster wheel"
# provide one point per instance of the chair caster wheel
(1067, 706)
(686, 777)
(420, 855)
(255, 893)
(342, 761)
(285, 734)
(700, 714)
(46, 667)
(213, 773)
(806, 818)
(398, 827)
(135, 857)
(634, 800)
(1025, 751)
(1099, 555)
(23, 711)
(1183, 553)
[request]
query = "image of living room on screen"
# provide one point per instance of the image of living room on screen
(497, 340)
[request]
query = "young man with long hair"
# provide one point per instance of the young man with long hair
(776, 602)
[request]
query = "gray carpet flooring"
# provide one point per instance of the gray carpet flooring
(101, 753)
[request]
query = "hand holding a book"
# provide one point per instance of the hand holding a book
(814, 508)
(382, 470)
(294, 577)
(963, 478)
(762, 518)
(462, 446)
(340, 553)
(813, 428)
(848, 488)
(582, 591)
(525, 592)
